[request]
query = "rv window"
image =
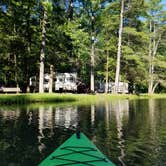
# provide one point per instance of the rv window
(33, 79)
(68, 79)
(46, 81)
(71, 79)
(61, 79)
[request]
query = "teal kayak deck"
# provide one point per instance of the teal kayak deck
(78, 152)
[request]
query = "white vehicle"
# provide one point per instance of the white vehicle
(122, 87)
(46, 82)
(66, 82)
(34, 83)
(62, 82)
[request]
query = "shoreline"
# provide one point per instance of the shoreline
(67, 97)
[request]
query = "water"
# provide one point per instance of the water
(130, 133)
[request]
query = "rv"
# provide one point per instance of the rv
(66, 82)
(122, 87)
(34, 83)
(62, 82)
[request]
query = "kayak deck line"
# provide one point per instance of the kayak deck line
(77, 150)
(87, 149)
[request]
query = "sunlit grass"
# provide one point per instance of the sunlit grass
(67, 97)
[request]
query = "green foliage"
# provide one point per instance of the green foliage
(69, 31)
(47, 5)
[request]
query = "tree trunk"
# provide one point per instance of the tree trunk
(153, 46)
(119, 48)
(70, 10)
(106, 78)
(92, 81)
(27, 76)
(92, 68)
(51, 78)
(42, 54)
(150, 86)
(155, 86)
(15, 62)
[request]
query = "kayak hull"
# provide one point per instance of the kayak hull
(77, 151)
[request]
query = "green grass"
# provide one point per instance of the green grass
(57, 98)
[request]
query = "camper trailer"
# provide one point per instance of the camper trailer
(66, 82)
(122, 87)
(34, 83)
(63, 82)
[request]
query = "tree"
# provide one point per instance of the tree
(17, 28)
(156, 24)
(107, 41)
(46, 7)
(119, 48)
(81, 36)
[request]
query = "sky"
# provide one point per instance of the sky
(164, 1)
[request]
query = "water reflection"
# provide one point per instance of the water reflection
(128, 132)
(152, 117)
(121, 111)
(10, 113)
(95, 121)
(60, 116)
(51, 117)
(92, 114)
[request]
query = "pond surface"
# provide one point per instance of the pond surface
(130, 133)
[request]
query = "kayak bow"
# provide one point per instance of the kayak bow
(78, 150)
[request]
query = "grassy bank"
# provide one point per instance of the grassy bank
(34, 98)
(57, 98)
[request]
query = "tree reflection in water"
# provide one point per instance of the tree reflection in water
(128, 132)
